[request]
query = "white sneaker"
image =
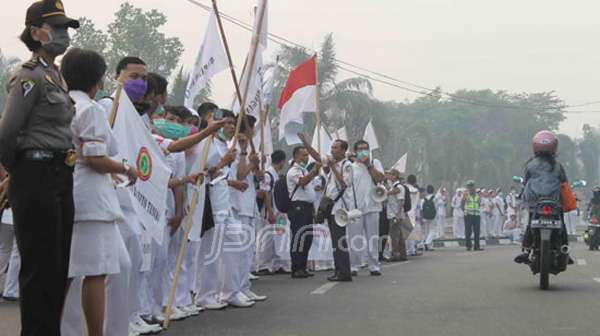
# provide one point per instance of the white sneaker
(177, 314)
(131, 331)
(142, 327)
(198, 307)
(240, 301)
(215, 305)
(255, 297)
(191, 310)
(253, 277)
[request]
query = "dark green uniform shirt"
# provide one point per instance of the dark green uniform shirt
(38, 112)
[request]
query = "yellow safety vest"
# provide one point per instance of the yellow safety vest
(472, 205)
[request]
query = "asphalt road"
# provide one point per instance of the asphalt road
(446, 292)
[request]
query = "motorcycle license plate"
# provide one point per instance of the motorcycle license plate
(545, 224)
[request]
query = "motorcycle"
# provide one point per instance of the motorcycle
(548, 255)
(592, 235)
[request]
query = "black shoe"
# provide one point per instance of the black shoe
(262, 272)
(10, 298)
(375, 273)
(428, 249)
(478, 249)
(337, 278)
(468, 249)
(299, 275)
(282, 271)
(523, 258)
(309, 274)
(354, 273)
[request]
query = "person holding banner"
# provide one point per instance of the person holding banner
(97, 248)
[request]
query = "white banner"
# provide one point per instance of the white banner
(137, 145)
(401, 164)
(210, 61)
(254, 91)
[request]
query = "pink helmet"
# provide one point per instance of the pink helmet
(545, 142)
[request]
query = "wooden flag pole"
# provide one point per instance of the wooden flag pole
(115, 106)
(186, 231)
(317, 105)
(241, 99)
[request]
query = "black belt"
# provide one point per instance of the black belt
(66, 157)
(302, 203)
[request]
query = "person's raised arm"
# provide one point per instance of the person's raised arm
(190, 141)
(311, 151)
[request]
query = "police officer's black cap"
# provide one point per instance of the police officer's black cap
(51, 12)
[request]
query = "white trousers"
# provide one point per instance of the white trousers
(157, 278)
(11, 282)
(363, 235)
(440, 224)
(485, 225)
(458, 225)
(219, 261)
(183, 291)
(7, 235)
(116, 321)
(429, 230)
(496, 224)
(248, 250)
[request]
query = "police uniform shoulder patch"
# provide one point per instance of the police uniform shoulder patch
(27, 85)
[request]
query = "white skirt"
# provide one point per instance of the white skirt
(95, 249)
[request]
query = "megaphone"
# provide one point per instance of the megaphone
(343, 216)
(379, 194)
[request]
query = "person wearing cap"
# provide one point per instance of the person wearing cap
(36, 149)
(471, 205)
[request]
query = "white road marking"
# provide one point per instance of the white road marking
(324, 289)
(581, 262)
(597, 279)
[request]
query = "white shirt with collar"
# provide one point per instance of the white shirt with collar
(333, 188)
(394, 201)
(303, 193)
(244, 202)
(219, 190)
(363, 185)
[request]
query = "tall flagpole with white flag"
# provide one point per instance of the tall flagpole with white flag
(210, 61)
(370, 136)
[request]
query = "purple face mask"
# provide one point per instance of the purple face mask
(135, 88)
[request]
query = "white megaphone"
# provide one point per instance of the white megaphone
(343, 216)
(379, 194)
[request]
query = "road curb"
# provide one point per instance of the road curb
(487, 242)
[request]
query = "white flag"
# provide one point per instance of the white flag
(370, 136)
(210, 61)
(137, 145)
(253, 93)
(401, 164)
(267, 135)
(326, 143)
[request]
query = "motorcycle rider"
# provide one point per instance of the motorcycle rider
(593, 208)
(543, 177)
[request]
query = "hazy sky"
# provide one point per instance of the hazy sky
(513, 45)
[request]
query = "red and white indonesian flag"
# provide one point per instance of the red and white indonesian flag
(298, 96)
(210, 61)
(254, 83)
(148, 196)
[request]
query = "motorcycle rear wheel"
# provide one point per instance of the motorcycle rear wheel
(545, 264)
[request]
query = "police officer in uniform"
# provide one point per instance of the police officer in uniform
(36, 150)
(471, 205)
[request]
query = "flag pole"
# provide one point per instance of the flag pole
(241, 99)
(317, 105)
(261, 146)
(115, 105)
(186, 231)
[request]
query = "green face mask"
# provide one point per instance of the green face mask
(170, 130)
(160, 110)
(362, 154)
(221, 135)
(303, 164)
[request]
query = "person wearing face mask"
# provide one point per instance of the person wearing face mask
(37, 151)
(132, 70)
(363, 234)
